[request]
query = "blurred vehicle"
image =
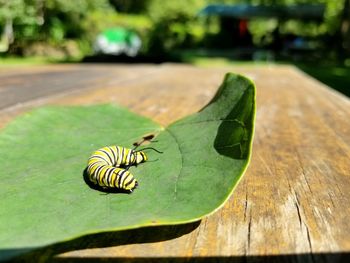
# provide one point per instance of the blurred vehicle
(118, 41)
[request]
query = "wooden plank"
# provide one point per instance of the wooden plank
(291, 204)
(36, 86)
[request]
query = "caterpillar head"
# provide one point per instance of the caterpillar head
(140, 157)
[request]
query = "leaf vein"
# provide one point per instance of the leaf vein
(182, 163)
(213, 120)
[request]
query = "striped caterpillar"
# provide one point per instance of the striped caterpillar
(108, 167)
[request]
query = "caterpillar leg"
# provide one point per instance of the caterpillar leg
(132, 186)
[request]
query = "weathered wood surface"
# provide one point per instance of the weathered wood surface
(291, 205)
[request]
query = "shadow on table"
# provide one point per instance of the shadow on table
(100, 240)
(291, 258)
(312, 258)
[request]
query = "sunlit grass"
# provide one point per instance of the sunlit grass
(223, 62)
(220, 58)
(337, 77)
(32, 61)
(334, 75)
(19, 61)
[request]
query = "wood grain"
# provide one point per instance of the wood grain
(292, 202)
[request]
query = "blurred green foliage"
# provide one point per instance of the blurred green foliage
(130, 6)
(175, 25)
(47, 26)
(331, 23)
(68, 28)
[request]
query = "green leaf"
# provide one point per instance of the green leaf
(43, 154)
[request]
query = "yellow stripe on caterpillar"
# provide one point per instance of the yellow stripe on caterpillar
(108, 167)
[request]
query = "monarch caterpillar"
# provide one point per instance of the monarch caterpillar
(108, 167)
(113, 177)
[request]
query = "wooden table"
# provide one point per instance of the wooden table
(293, 202)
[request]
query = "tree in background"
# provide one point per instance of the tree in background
(130, 6)
(164, 25)
(50, 22)
(175, 25)
(344, 29)
(17, 13)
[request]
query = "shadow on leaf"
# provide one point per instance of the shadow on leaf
(101, 189)
(235, 131)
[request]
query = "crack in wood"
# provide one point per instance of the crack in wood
(249, 232)
(246, 203)
(309, 240)
(297, 205)
(302, 223)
